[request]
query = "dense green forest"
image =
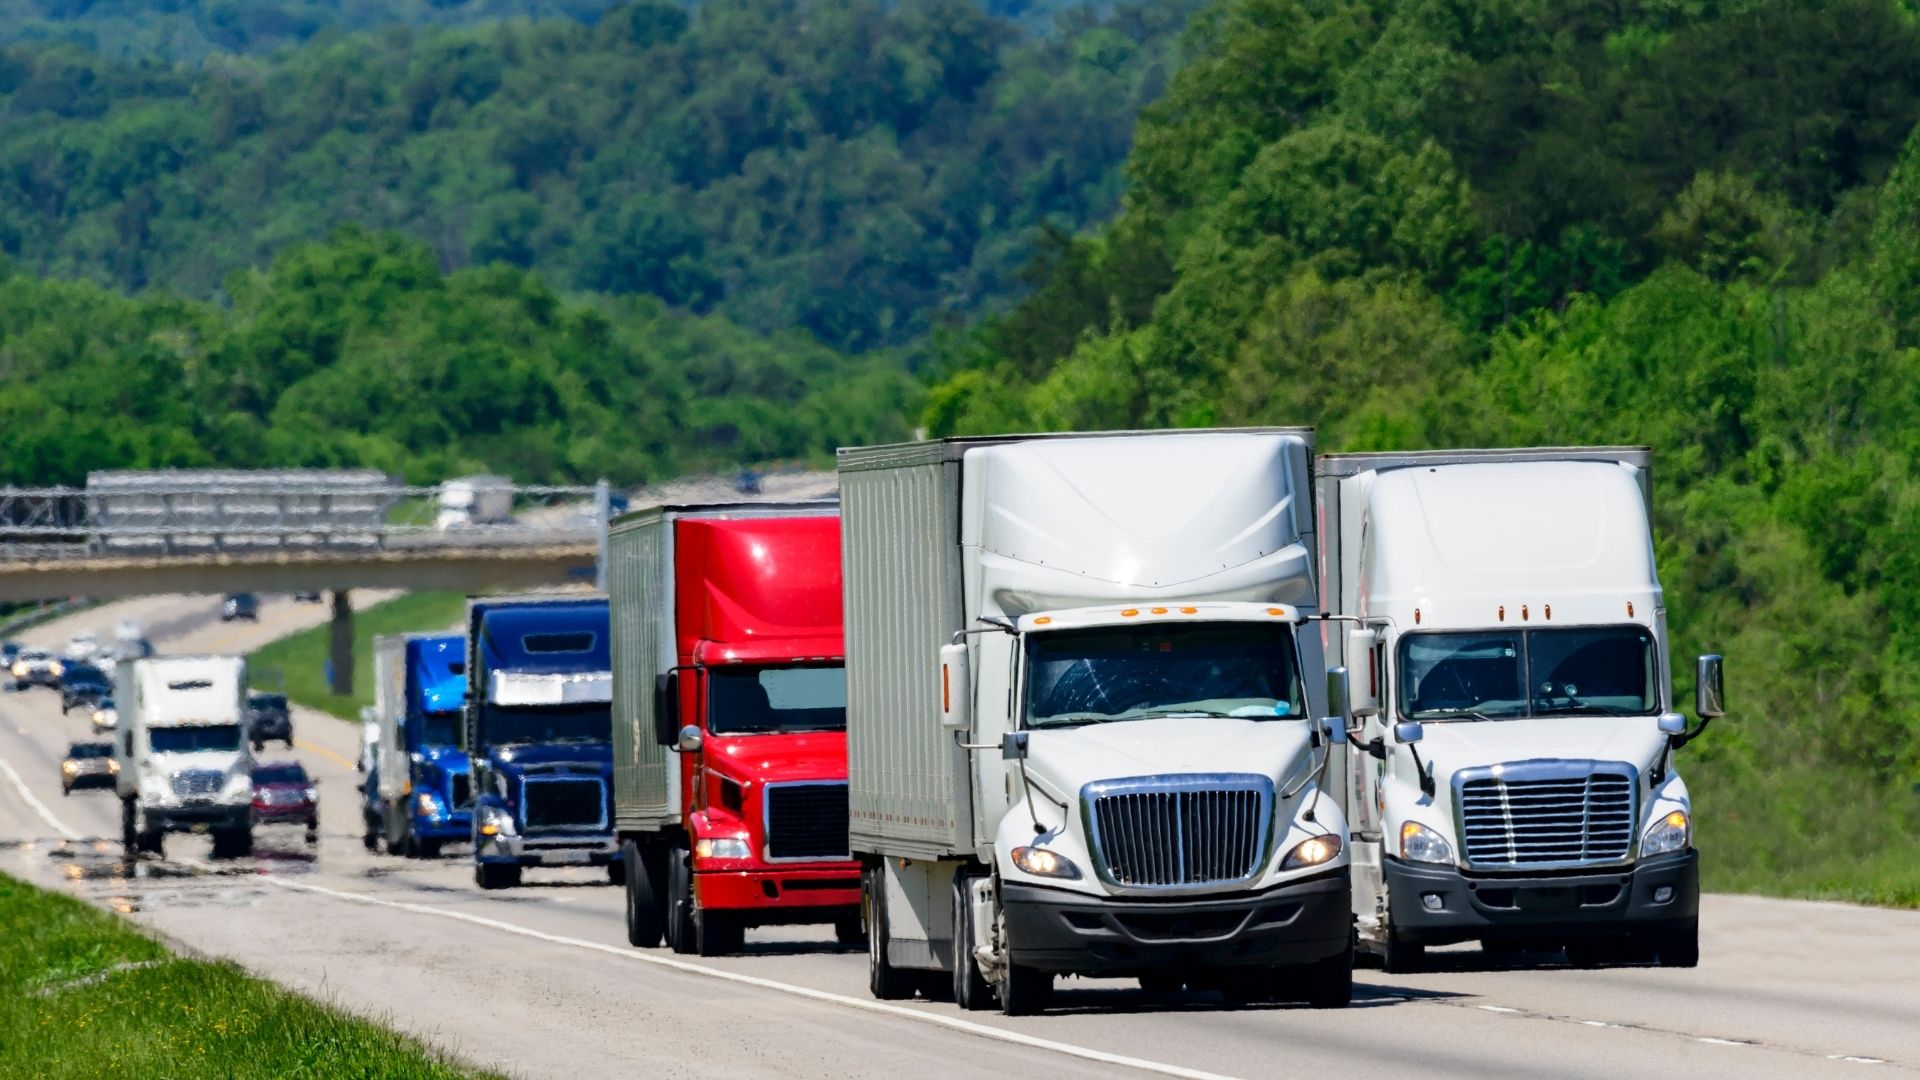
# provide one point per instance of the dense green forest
(1690, 225)
(857, 170)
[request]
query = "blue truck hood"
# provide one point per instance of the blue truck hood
(551, 637)
(448, 759)
(531, 757)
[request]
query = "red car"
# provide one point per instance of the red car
(284, 794)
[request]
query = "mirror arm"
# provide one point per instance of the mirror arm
(1426, 774)
(1377, 747)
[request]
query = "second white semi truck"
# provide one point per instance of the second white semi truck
(1512, 778)
(1086, 721)
(184, 760)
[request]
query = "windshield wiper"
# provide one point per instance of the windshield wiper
(1577, 707)
(1460, 711)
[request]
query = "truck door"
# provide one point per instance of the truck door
(995, 710)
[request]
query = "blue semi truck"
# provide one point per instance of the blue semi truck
(419, 790)
(539, 731)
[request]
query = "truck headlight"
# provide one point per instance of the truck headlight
(725, 847)
(493, 821)
(1671, 833)
(1421, 844)
(426, 805)
(1041, 862)
(1312, 852)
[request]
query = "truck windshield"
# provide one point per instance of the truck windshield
(1134, 673)
(507, 724)
(440, 728)
(1514, 674)
(199, 737)
(763, 700)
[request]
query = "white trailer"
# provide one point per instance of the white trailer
(184, 762)
(1085, 720)
(1511, 778)
(475, 500)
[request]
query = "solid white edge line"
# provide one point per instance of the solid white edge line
(865, 1005)
(38, 807)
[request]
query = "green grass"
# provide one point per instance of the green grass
(1787, 828)
(297, 663)
(69, 1007)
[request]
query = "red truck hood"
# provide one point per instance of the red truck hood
(782, 650)
(763, 759)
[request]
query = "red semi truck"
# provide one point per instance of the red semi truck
(729, 699)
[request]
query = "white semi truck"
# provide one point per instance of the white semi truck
(182, 750)
(1086, 728)
(1511, 779)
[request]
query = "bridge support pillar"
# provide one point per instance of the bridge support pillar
(340, 643)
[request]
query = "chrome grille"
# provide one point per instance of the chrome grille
(1545, 814)
(1180, 831)
(197, 782)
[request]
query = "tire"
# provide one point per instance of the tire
(1400, 956)
(680, 928)
(371, 838)
(970, 988)
(232, 843)
(616, 873)
(496, 876)
(718, 933)
(645, 913)
(426, 849)
(850, 929)
(129, 834)
(1023, 991)
(1328, 984)
(1680, 948)
(1592, 952)
(154, 843)
(1162, 982)
(886, 982)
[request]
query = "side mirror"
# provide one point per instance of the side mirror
(689, 742)
(1364, 694)
(1672, 723)
(956, 688)
(1013, 746)
(1709, 691)
(1408, 731)
(1338, 705)
(666, 708)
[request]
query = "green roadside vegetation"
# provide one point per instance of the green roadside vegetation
(83, 994)
(297, 663)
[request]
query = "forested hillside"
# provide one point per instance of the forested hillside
(857, 171)
(1695, 226)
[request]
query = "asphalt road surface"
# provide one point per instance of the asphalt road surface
(539, 982)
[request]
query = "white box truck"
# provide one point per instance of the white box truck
(1511, 779)
(1086, 727)
(184, 760)
(475, 500)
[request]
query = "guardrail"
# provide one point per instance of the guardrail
(160, 519)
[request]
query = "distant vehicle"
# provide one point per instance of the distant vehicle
(88, 764)
(240, 605)
(184, 761)
(268, 718)
(369, 738)
(82, 686)
(9, 651)
(422, 788)
(311, 597)
(84, 645)
(283, 794)
(36, 667)
(105, 716)
(137, 648)
(475, 500)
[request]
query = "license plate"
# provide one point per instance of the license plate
(567, 858)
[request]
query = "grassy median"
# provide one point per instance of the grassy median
(83, 994)
(299, 661)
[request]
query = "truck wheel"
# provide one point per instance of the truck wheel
(680, 928)
(887, 983)
(496, 876)
(1680, 948)
(616, 873)
(848, 929)
(1399, 956)
(718, 933)
(1162, 982)
(1328, 984)
(129, 832)
(371, 838)
(644, 909)
(426, 849)
(970, 989)
(1592, 952)
(1023, 991)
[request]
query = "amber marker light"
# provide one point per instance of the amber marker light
(1129, 613)
(1159, 611)
(1043, 620)
(1189, 611)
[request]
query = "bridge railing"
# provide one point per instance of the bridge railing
(156, 518)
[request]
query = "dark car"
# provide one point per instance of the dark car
(283, 794)
(311, 596)
(88, 764)
(240, 605)
(36, 667)
(83, 686)
(268, 718)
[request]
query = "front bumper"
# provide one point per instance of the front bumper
(188, 818)
(548, 850)
(1618, 901)
(280, 815)
(783, 895)
(1297, 923)
(457, 827)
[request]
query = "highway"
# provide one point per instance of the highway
(539, 982)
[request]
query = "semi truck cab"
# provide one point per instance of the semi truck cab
(538, 731)
(424, 780)
(1511, 779)
(184, 762)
